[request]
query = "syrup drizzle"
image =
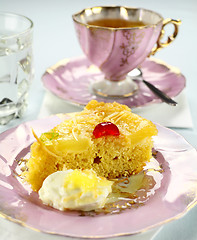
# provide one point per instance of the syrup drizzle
(127, 192)
(132, 192)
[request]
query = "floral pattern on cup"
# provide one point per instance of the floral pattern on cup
(133, 40)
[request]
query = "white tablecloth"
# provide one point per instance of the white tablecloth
(170, 116)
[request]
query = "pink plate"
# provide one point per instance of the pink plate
(176, 194)
(70, 80)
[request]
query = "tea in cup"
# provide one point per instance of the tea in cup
(118, 39)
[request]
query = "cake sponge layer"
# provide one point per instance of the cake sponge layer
(72, 145)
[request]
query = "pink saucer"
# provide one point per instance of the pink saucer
(70, 80)
(176, 193)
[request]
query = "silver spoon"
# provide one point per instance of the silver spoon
(136, 74)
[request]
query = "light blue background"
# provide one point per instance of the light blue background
(55, 39)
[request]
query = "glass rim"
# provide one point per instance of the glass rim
(28, 29)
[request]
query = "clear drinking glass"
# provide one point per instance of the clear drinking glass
(16, 71)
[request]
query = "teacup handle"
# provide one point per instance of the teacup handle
(170, 39)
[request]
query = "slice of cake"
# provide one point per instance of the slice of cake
(105, 137)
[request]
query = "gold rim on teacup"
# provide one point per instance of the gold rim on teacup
(92, 9)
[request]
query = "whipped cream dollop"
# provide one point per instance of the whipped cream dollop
(75, 190)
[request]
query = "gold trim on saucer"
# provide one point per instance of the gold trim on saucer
(100, 94)
(63, 62)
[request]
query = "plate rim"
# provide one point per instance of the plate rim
(159, 224)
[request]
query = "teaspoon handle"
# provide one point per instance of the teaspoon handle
(160, 94)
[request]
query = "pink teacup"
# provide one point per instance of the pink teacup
(118, 39)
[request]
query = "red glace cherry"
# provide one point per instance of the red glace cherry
(105, 129)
